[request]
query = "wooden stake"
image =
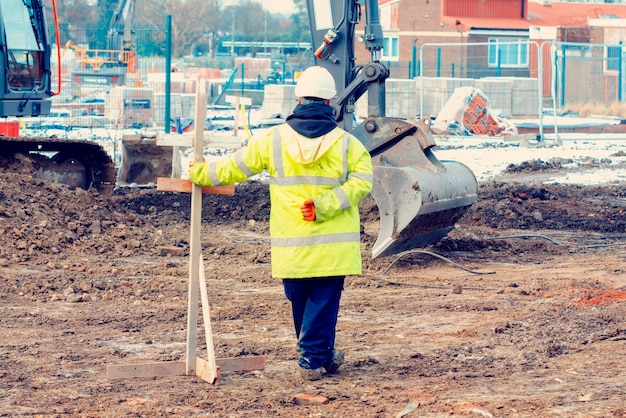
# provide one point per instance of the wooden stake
(195, 249)
(208, 370)
(166, 184)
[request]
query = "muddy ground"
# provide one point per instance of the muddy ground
(519, 312)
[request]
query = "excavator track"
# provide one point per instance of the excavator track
(77, 163)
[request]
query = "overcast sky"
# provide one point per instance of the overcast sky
(278, 6)
(273, 6)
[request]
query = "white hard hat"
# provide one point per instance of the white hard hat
(316, 82)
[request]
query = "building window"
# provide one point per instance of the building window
(391, 48)
(612, 58)
(508, 52)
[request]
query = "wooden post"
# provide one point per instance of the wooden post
(237, 100)
(195, 250)
(209, 369)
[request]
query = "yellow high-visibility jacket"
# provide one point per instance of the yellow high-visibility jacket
(335, 170)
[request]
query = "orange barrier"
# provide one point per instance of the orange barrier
(10, 128)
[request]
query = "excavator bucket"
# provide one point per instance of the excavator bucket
(419, 197)
(143, 161)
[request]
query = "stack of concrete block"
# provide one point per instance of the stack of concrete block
(214, 88)
(524, 95)
(127, 106)
(401, 98)
(498, 90)
(159, 108)
(176, 107)
(188, 106)
(278, 99)
(190, 86)
(157, 88)
(436, 91)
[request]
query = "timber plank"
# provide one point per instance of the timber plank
(167, 184)
(166, 368)
(177, 368)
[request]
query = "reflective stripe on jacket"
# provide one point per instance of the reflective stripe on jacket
(336, 179)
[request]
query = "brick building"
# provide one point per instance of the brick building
(409, 24)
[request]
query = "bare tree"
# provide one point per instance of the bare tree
(193, 21)
(68, 12)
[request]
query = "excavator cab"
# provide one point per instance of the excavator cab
(25, 70)
(419, 197)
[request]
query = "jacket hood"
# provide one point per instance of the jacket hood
(312, 119)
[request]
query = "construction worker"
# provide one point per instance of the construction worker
(318, 174)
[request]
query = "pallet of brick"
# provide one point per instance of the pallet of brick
(129, 106)
(465, 108)
(156, 82)
(253, 67)
(209, 73)
(178, 82)
(278, 99)
(190, 86)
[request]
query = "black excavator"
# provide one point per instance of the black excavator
(26, 90)
(419, 197)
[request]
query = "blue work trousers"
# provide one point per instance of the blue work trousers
(315, 306)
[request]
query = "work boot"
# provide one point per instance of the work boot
(333, 365)
(311, 374)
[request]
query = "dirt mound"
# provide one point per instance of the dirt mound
(518, 312)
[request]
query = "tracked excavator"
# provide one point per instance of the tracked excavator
(26, 90)
(419, 197)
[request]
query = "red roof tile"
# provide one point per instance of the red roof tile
(555, 14)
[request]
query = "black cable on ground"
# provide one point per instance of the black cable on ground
(410, 252)
(614, 244)
(434, 286)
(528, 236)
(436, 256)
(424, 286)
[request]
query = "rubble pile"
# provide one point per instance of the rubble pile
(467, 113)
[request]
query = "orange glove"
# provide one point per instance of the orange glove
(308, 210)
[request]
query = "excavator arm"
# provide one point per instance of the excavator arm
(419, 197)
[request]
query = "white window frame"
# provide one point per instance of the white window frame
(393, 43)
(614, 68)
(522, 44)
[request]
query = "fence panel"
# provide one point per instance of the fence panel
(522, 78)
(130, 93)
(507, 73)
(587, 73)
